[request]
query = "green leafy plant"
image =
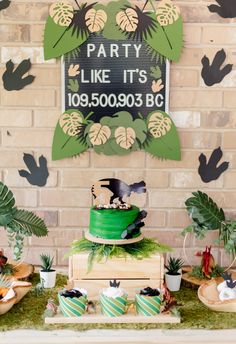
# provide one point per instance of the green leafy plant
(206, 216)
(101, 252)
(8, 269)
(174, 265)
(46, 262)
(17, 222)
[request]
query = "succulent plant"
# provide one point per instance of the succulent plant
(174, 265)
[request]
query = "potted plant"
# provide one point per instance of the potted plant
(18, 223)
(47, 274)
(173, 274)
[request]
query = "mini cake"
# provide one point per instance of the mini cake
(73, 302)
(113, 300)
(148, 302)
(111, 218)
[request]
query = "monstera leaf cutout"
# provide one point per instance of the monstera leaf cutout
(159, 125)
(167, 13)
(59, 40)
(70, 122)
(167, 40)
(99, 134)
(95, 20)
(125, 137)
(61, 13)
(166, 146)
(127, 19)
(64, 145)
(130, 137)
(111, 29)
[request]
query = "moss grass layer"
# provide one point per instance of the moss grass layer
(28, 314)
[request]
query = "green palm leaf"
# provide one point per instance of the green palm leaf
(7, 200)
(204, 211)
(28, 223)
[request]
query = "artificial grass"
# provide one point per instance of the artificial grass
(28, 314)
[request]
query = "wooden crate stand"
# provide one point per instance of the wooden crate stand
(133, 274)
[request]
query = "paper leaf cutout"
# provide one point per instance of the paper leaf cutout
(111, 29)
(70, 122)
(167, 40)
(125, 137)
(158, 124)
(118, 188)
(167, 146)
(37, 175)
(62, 13)
(127, 19)
(4, 4)
(214, 73)
(64, 145)
(226, 8)
(13, 78)
(59, 40)
(95, 20)
(209, 171)
(99, 134)
(167, 13)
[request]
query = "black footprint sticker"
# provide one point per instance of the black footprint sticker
(226, 8)
(209, 171)
(13, 79)
(4, 4)
(37, 175)
(213, 74)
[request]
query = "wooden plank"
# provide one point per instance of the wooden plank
(124, 319)
(148, 268)
(94, 287)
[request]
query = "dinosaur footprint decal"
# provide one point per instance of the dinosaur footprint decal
(13, 79)
(209, 171)
(225, 9)
(4, 4)
(213, 74)
(37, 175)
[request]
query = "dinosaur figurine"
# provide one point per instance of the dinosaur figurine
(226, 8)
(214, 74)
(229, 281)
(208, 261)
(117, 189)
(38, 175)
(209, 171)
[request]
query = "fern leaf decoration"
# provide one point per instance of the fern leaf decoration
(28, 223)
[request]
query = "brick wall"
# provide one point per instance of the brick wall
(205, 118)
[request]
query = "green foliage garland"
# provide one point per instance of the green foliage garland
(101, 252)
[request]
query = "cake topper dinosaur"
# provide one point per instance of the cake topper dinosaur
(107, 191)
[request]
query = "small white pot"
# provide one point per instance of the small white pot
(48, 278)
(173, 281)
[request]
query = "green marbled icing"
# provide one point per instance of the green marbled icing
(110, 223)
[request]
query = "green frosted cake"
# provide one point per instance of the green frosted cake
(112, 223)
